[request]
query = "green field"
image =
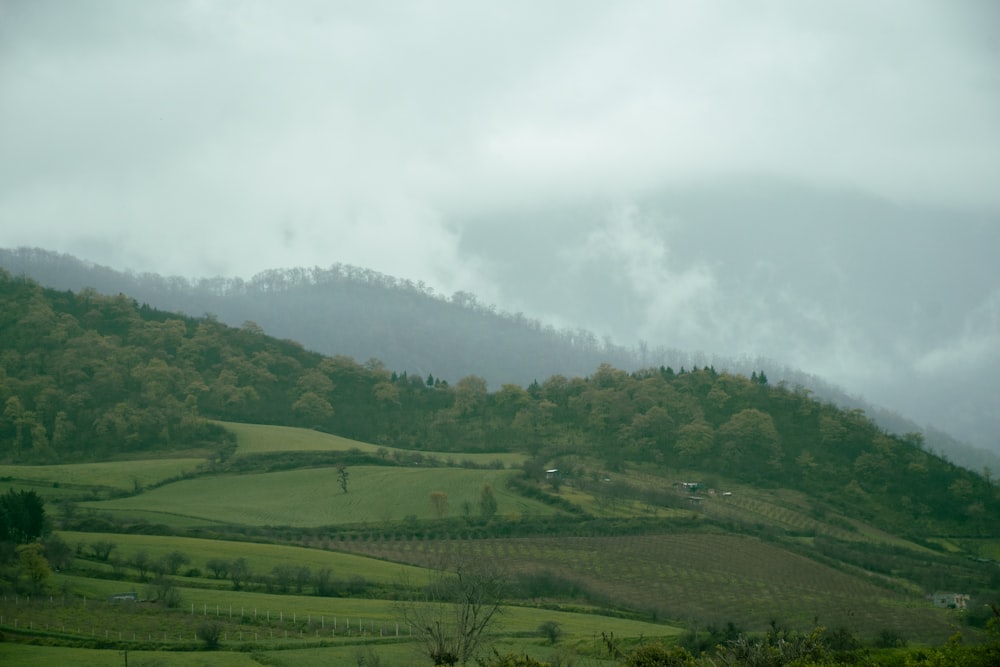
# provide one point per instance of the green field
(261, 557)
(262, 438)
(122, 475)
(312, 497)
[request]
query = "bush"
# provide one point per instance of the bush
(210, 633)
(551, 630)
(510, 660)
(658, 655)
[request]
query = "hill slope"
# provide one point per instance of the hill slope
(362, 314)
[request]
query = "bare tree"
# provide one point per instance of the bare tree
(439, 503)
(451, 615)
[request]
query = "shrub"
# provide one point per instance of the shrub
(210, 633)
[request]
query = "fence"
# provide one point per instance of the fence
(126, 620)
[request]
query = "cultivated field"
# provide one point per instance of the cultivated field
(701, 577)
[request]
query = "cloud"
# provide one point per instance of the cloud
(781, 179)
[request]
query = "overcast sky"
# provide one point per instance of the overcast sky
(812, 181)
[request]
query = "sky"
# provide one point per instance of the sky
(808, 181)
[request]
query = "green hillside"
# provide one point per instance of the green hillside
(196, 464)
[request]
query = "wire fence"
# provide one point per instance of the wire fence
(126, 618)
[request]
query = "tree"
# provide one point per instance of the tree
(210, 633)
(455, 610)
(439, 503)
(142, 562)
(239, 573)
(33, 565)
(102, 549)
(22, 516)
(313, 407)
(551, 630)
(342, 476)
(219, 567)
(174, 560)
(487, 502)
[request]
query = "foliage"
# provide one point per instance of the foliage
(85, 376)
(210, 633)
(658, 655)
(551, 631)
(22, 516)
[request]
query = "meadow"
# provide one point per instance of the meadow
(312, 497)
(118, 475)
(263, 438)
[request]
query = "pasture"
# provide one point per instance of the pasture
(260, 557)
(263, 438)
(312, 497)
(288, 629)
(118, 475)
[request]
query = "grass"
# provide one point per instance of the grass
(261, 557)
(121, 475)
(23, 655)
(312, 497)
(284, 629)
(262, 438)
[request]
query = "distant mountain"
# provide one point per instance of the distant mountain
(363, 314)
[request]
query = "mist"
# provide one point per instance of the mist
(807, 182)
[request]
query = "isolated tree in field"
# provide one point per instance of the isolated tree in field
(453, 613)
(551, 630)
(487, 502)
(342, 476)
(439, 503)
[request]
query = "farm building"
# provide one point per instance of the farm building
(950, 600)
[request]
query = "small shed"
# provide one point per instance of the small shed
(950, 600)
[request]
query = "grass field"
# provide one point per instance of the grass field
(287, 629)
(262, 438)
(261, 557)
(122, 475)
(312, 497)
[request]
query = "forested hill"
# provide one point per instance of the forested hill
(345, 310)
(86, 376)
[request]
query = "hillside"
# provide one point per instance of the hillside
(656, 502)
(87, 377)
(345, 310)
